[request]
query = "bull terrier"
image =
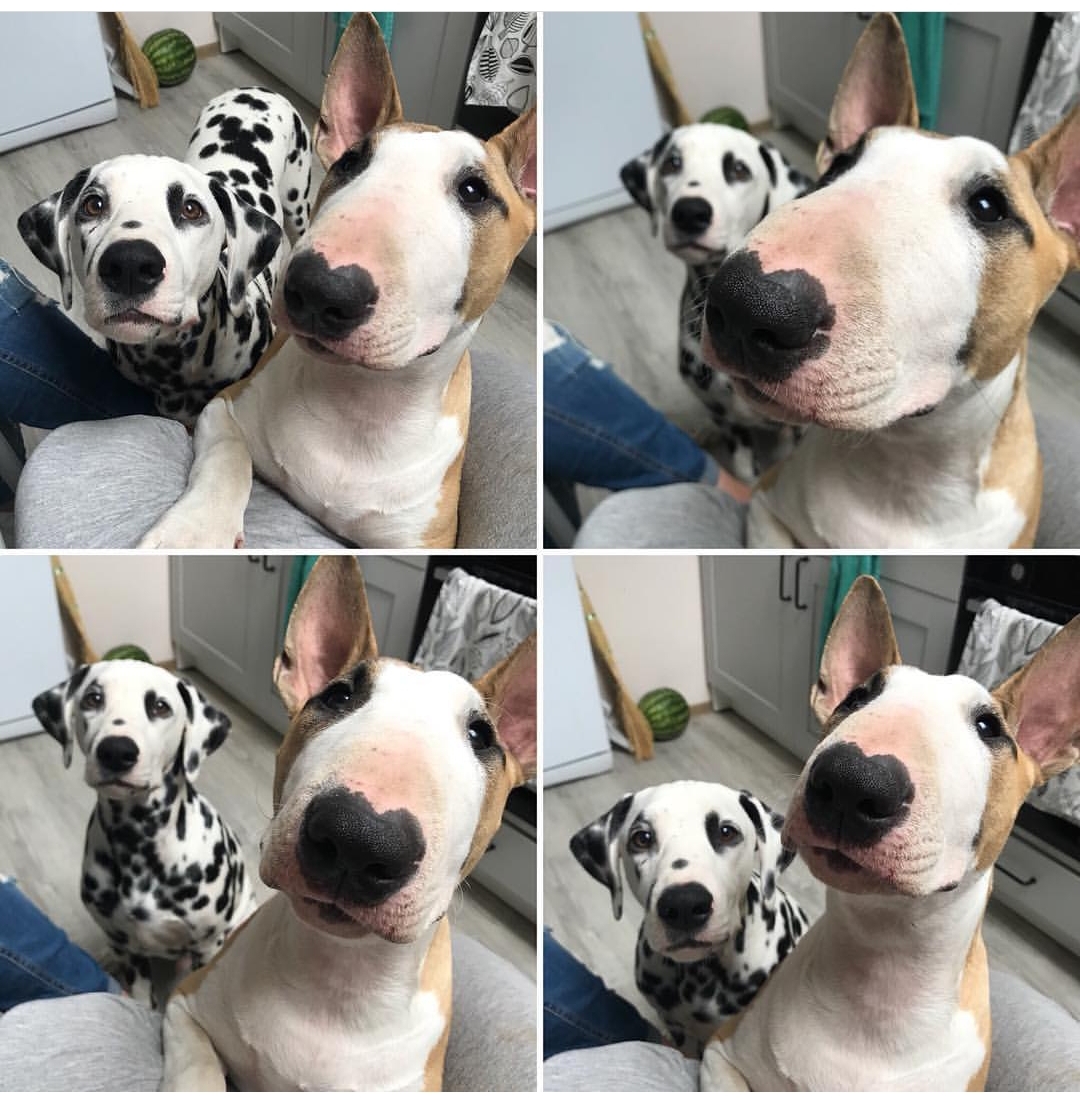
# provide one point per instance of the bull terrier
(900, 811)
(889, 310)
(359, 411)
(389, 786)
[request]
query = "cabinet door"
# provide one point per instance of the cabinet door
(287, 43)
(922, 593)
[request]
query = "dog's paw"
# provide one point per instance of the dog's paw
(182, 529)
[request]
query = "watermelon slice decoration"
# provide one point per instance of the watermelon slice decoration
(667, 712)
(127, 652)
(172, 55)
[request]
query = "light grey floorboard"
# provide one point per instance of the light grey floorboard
(723, 747)
(44, 810)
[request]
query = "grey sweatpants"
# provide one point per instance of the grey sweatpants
(697, 516)
(103, 484)
(105, 1042)
(1036, 1047)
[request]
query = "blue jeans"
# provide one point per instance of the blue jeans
(598, 431)
(37, 960)
(579, 1010)
(51, 373)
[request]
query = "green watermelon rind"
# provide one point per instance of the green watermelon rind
(127, 652)
(172, 54)
(667, 712)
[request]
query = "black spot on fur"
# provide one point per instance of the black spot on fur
(770, 167)
(749, 806)
(72, 191)
(185, 697)
(76, 680)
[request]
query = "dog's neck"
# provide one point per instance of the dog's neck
(692, 305)
(151, 815)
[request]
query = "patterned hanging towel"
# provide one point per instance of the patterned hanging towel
(1000, 642)
(1055, 87)
(502, 72)
(474, 625)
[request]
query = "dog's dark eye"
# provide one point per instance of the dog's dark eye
(988, 205)
(93, 205)
(473, 191)
(672, 163)
(856, 699)
(337, 695)
(988, 725)
(735, 171)
(162, 708)
(727, 834)
(481, 734)
(192, 210)
(94, 698)
(641, 839)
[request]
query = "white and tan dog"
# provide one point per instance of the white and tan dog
(901, 811)
(890, 310)
(359, 412)
(389, 786)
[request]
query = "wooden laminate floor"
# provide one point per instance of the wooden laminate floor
(728, 749)
(44, 810)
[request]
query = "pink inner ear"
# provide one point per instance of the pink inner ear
(515, 712)
(527, 182)
(1048, 725)
(1065, 205)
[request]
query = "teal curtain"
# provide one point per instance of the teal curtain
(925, 35)
(843, 572)
(385, 19)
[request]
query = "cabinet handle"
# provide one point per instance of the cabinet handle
(799, 604)
(267, 566)
(253, 560)
(1013, 877)
(783, 598)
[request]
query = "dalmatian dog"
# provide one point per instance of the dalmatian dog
(162, 875)
(703, 861)
(177, 260)
(705, 186)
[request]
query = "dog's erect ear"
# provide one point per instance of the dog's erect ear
(860, 642)
(517, 146)
(596, 847)
(329, 631)
(876, 89)
(772, 857)
(53, 709)
(635, 178)
(360, 94)
(1042, 703)
(251, 242)
(45, 229)
(206, 728)
(509, 691)
(1054, 163)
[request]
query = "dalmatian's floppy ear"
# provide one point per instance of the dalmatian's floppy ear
(251, 242)
(596, 847)
(773, 857)
(45, 229)
(205, 731)
(635, 178)
(53, 709)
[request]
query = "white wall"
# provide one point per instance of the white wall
(123, 600)
(197, 25)
(717, 59)
(650, 608)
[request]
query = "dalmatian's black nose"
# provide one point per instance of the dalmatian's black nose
(856, 798)
(685, 907)
(355, 853)
(691, 216)
(328, 302)
(766, 324)
(131, 268)
(117, 753)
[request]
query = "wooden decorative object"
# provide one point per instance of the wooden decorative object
(671, 104)
(139, 70)
(74, 631)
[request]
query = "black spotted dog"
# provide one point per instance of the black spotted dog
(163, 875)
(705, 187)
(178, 260)
(704, 861)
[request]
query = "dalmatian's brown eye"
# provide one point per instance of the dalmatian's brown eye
(736, 170)
(641, 839)
(92, 699)
(727, 834)
(192, 210)
(672, 163)
(93, 205)
(162, 708)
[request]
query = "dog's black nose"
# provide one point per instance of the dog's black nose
(131, 267)
(766, 325)
(685, 907)
(856, 798)
(117, 753)
(357, 854)
(328, 302)
(691, 215)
